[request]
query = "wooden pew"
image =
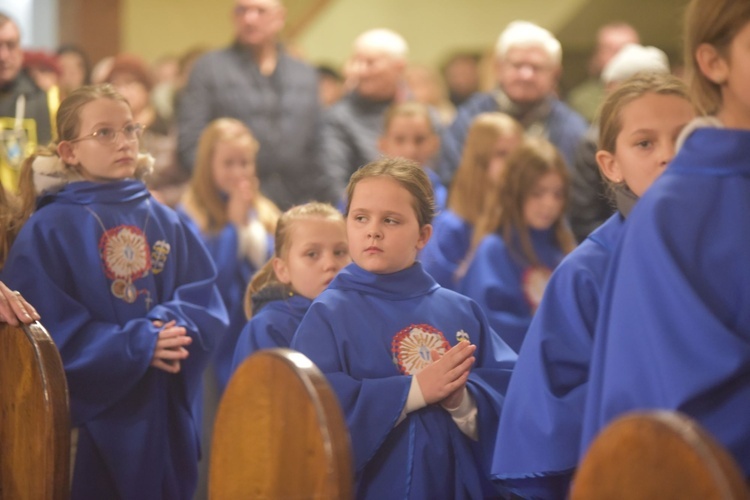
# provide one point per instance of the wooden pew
(279, 433)
(657, 455)
(34, 416)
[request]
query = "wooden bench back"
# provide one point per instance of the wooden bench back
(34, 416)
(657, 455)
(279, 433)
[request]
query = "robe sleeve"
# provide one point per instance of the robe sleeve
(266, 330)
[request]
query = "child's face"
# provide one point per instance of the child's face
(98, 160)
(384, 234)
(317, 252)
(233, 166)
(544, 204)
(409, 137)
(734, 72)
(503, 147)
(646, 143)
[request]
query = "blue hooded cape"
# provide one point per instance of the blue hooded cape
(271, 326)
(539, 435)
(674, 328)
(100, 262)
(368, 333)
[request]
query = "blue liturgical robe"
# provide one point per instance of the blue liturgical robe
(506, 287)
(674, 328)
(234, 274)
(539, 435)
(101, 262)
(369, 333)
(447, 248)
(271, 326)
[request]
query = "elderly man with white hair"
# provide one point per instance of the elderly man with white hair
(527, 68)
(375, 74)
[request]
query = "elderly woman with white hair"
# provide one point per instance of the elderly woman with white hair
(375, 77)
(527, 68)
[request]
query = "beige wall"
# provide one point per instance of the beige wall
(153, 28)
(433, 28)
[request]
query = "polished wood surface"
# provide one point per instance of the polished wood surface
(657, 455)
(280, 433)
(34, 416)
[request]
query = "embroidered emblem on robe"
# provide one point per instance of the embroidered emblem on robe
(125, 255)
(411, 347)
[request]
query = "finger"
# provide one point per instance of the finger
(172, 332)
(169, 367)
(171, 354)
(435, 355)
(458, 371)
(22, 309)
(173, 342)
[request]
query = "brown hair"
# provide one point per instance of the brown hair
(470, 186)
(504, 212)
(610, 119)
(203, 200)
(134, 66)
(407, 173)
(283, 241)
(409, 109)
(714, 22)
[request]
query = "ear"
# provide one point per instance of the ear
(67, 154)
(711, 63)
(281, 270)
(425, 232)
(608, 165)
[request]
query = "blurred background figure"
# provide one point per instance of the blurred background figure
(425, 86)
(586, 96)
(165, 71)
(331, 84)
(375, 77)
(462, 75)
(25, 116)
(75, 69)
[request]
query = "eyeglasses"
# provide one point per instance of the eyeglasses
(108, 135)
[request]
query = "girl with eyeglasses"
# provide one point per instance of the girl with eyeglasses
(127, 292)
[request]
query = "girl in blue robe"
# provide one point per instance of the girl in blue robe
(520, 239)
(491, 138)
(234, 219)
(674, 330)
(310, 249)
(127, 292)
(409, 132)
(418, 372)
(537, 443)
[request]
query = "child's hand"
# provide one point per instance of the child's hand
(170, 347)
(14, 308)
(241, 200)
(446, 375)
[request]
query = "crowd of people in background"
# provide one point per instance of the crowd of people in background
(470, 267)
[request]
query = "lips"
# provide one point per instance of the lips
(373, 249)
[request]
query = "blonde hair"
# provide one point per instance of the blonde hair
(409, 175)
(504, 212)
(68, 124)
(713, 22)
(266, 276)
(470, 186)
(610, 119)
(203, 200)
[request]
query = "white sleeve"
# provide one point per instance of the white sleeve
(465, 415)
(414, 401)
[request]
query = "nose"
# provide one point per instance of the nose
(374, 232)
(667, 154)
